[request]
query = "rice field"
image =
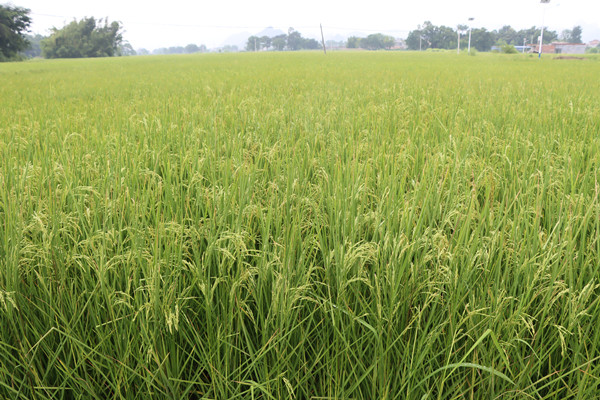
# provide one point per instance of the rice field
(299, 226)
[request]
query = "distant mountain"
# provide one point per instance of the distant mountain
(238, 39)
(270, 32)
(337, 37)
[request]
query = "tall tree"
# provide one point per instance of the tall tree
(294, 39)
(85, 38)
(572, 35)
(576, 34)
(279, 42)
(508, 35)
(14, 22)
(353, 42)
(377, 41)
(437, 37)
(482, 39)
(253, 43)
(34, 48)
(415, 40)
(310, 44)
(265, 42)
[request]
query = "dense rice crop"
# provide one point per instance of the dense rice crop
(269, 226)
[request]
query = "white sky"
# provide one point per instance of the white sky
(152, 24)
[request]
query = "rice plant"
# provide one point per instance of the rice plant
(270, 226)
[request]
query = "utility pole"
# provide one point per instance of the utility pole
(524, 43)
(470, 19)
(323, 40)
(458, 46)
(543, 18)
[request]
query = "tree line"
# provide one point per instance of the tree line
(92, 37)
(85, 38)
(292, 41)
(375, 41)
(88, 37)
(443, 37)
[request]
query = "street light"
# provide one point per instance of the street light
(470, 19)
(543, 18)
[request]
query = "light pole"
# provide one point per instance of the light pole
(470, 19)
(542, 34)
(458, 45)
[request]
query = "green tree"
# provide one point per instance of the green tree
(85, 38)
(353, 42)
(437, 37)
(34, 49)
(14, 22)
(192, 48)
(294, 39)
(310, 44)
(253, 43)
(416, 41)
(572, 35)
(377, 41)
(576, 34)
(482, 39)
(265, 42)
(508, 35)
(279, 42)
(126, 49)
(388, 42)
(508, 49)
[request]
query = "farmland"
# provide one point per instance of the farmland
(269, 226)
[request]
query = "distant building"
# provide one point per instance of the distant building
(399, 44)
(523, 49)
(559, 48)
(594, 43)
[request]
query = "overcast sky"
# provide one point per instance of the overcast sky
(153, 24)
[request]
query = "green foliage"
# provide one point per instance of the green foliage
(572, 35)
(84, 38)
(194, 48)
(291, 226)
(279, 42)
(353, 42)
(14, 23)
(292, 41)
(377, 41)
(508, 49)
(482, 39)
(34, 48)
(437, 37)
(189, 49)
(431, 36)
(253, 44)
